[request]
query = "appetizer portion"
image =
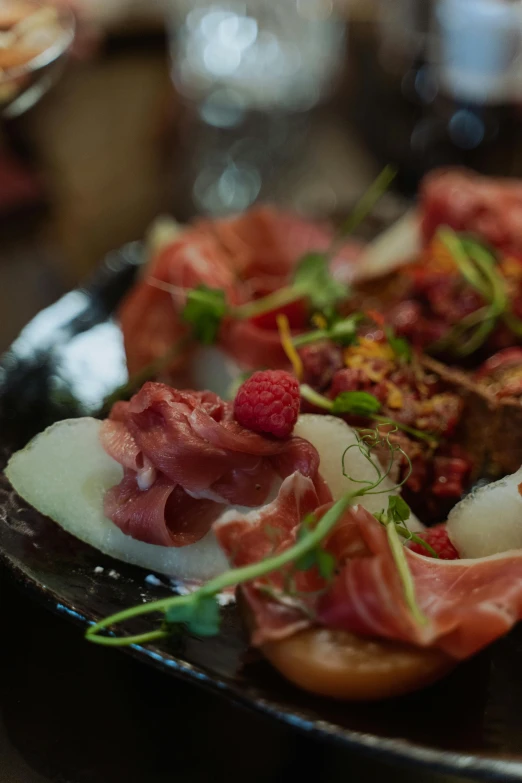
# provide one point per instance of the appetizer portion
(147, 484)
(344, 602)
(342, 589)
(297, 492)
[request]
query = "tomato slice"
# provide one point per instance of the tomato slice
(344, 666)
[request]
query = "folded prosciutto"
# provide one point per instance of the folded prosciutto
(248, 256)
(465, 604)
(186, 460)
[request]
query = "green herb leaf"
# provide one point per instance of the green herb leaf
(356, 402)
(325, 563)
(313, 279)
(398, 509)
(201, 616)
(207, 618)
(399, 345)
(344, 331)
(180, 614)
(204, 310)
(317, 556)
(306, 562)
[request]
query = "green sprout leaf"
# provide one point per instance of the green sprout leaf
(313, 279)
(399, 345)
(398, 509)
(317, 556)
(204, 311)
(355, 402)
(477, 266)
(342, 331)
(201, 617)
(326, 564)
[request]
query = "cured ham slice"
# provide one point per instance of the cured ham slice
(491, 208)
(185, 457)
(466, 604)
(247, 538)
(150, 314)
(247, 256)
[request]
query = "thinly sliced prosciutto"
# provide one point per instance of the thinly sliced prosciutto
(186, 459)
(467, 604)
(247, 256)
(466, 201)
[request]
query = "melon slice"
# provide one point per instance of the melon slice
(64, 473)
(331, 437)
(489, 520)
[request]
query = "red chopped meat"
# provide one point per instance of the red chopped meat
(321, 361)
(450, 476)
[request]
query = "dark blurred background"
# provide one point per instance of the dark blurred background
(201, 107)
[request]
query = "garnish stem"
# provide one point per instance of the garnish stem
(427, 436)
(477, 266)
(339, 332)
(313, 397)
(397, 550)
(279, 298)
(320, 401)
(310, 337)
(139, 638)
(407, 533)
(229, 579)
(366, 203)
(461, 258)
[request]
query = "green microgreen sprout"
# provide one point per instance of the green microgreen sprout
(342, 331)
(199, 612)
(399, 345)
(477, 265)
(358, 403)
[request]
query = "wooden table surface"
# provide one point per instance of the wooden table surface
(105, 145)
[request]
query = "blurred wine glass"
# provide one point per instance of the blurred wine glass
(34, 38)
(249, 74)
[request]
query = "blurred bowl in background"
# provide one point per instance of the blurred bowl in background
(34, 39)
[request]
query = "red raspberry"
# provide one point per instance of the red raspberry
(437, 537)
(268, 402)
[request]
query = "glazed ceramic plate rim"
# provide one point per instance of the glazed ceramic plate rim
(494, 766)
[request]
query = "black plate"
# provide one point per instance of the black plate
(64, 362)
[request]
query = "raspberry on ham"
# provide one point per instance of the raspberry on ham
(268, 402)
(437, 537)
